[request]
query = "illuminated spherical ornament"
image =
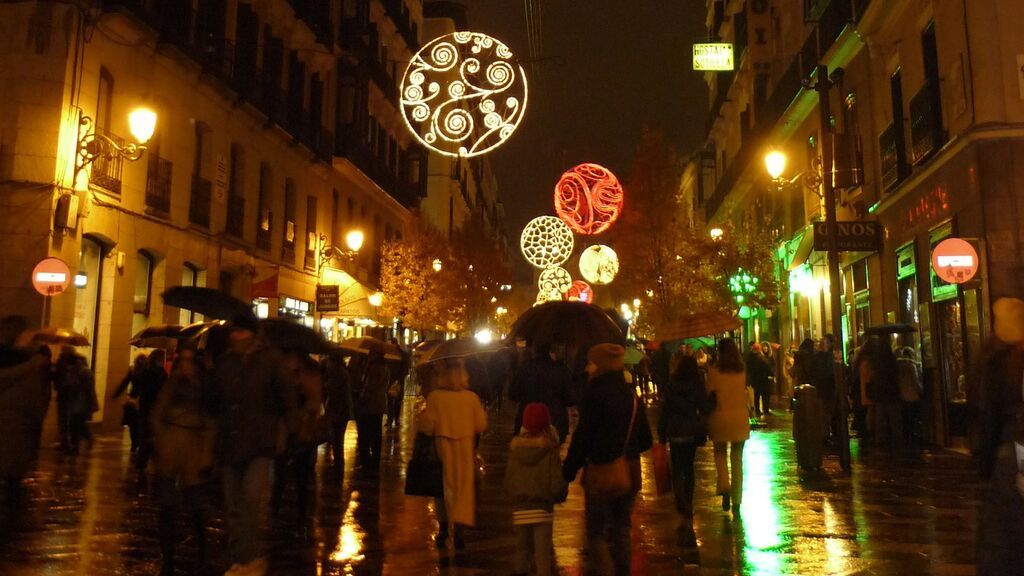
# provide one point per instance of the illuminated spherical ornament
(580, 291)
(547, 296)
(589, 198)
(555, 279)
(599, 264)
(546, 242)
(463, 94)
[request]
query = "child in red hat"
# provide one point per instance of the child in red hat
(535, 484)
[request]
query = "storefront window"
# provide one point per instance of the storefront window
(87, 292)
(906, 274)
(261, 307)
(295, 309)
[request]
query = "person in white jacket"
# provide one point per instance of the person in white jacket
(454, 416)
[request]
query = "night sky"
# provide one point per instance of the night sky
(609, 68)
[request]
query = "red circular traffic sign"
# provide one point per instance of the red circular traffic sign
(955, 260)
(51, 276)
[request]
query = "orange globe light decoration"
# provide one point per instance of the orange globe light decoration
(580, 291)
(588, 198)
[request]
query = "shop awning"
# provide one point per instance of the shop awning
(799, 248)
(353, 296)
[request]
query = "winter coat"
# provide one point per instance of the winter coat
(454, 418)
(878, 379)
(730, 420)
(75, 384)
(549, 383)
(909, 377)
(996, 402)
(823, 376)
(605, 413)
(338, 392)
(258, 406)
(533, 477)
(759, 371)
(311, 426)
(184, 430)
(23, 405)
(373, 395)
(803, 367)
(681, 411)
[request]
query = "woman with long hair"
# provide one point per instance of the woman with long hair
(680, 426)
(729, 423)
(454, 416)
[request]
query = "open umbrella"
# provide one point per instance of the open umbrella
(207, 301)
(288, 335)
(366, 344)
(883, 329)
(456, 348)
(58, 336)
(167, 336)
(570, 323)
(700, 324)
(633, 355)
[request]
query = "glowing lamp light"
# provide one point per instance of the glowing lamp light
(142, 124)
(580, 291)
(375, 299)
(463, 94)
(588, 198)
(775, 164)
(354, 240)
(437, 265)
(599, 264)
(716, 233)
(555, 279)
(81, 280)
(484, 336)
(745, 312)
(546, 241)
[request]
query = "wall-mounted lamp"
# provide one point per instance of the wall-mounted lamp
(93, 145)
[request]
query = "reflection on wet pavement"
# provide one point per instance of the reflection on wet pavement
(906, 515)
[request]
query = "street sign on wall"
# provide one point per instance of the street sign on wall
(713, 56)
(327, 298)
(955, 260)
(852, 236)
(51, 276)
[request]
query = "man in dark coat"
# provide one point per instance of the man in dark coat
(370, 408)
(545, 380)
(337, 407)
(258, 411)
(606, 422)
(759, 373)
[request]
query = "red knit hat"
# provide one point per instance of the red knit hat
(536, 418)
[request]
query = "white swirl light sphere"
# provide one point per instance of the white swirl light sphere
(555, 279)
(547, 296)
(546, 241)
(463, 94)
(599, 264)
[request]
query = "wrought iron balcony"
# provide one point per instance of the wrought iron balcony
(158, 185)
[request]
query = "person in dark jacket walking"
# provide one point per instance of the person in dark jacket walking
(879, 381)
(76, 398)
(823, 378)
(147, 388)
(396, 389)
(258, 413)
(370, 409)
(606, 426)
(337, 407)
(759, 373)
(545, 380)
(685, 403)
(996, 403)
(132, 382)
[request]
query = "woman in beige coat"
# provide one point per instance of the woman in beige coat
(729, 422)
(454, 416)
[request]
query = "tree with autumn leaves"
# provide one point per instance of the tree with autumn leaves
(456, 298)
(675, 267)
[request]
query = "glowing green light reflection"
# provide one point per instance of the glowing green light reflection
(761, 514)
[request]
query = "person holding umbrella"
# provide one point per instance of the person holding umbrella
(371, 407)
(543, 379)
(729, 423)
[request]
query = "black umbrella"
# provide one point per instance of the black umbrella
(168, 335)
(883, 329)
(455, 348)
(288, 335)
(571, 323)
(207, 301)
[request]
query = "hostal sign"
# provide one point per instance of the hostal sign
(712, 56)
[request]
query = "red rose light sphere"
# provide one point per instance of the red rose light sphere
(588, 198)
(580, 291)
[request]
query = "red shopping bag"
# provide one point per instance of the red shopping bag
(662, 470)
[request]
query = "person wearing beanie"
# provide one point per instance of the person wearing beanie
(612, 424)
(995, 402)
(533, 480)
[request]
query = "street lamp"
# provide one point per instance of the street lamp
(437, 265)
(353, 240)
(375, 299)
(775, 165)
(716, 233)
(93, 145)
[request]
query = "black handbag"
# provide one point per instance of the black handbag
(424, 476)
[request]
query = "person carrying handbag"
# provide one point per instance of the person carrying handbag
(611, 434)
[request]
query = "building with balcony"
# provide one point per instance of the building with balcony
(929, 106)
(277, 133)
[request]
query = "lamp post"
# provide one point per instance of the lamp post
(93, 145)
(775, 164)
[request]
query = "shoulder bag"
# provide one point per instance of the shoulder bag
(606, 482)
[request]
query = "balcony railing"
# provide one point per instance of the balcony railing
(199, 202)
(106, 169)
(235, 225)
(349, 144)
(158, 185)
(926, 134)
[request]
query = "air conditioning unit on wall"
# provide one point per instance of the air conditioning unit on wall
(65, 214)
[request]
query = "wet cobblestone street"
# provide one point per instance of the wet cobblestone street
(909, 515)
